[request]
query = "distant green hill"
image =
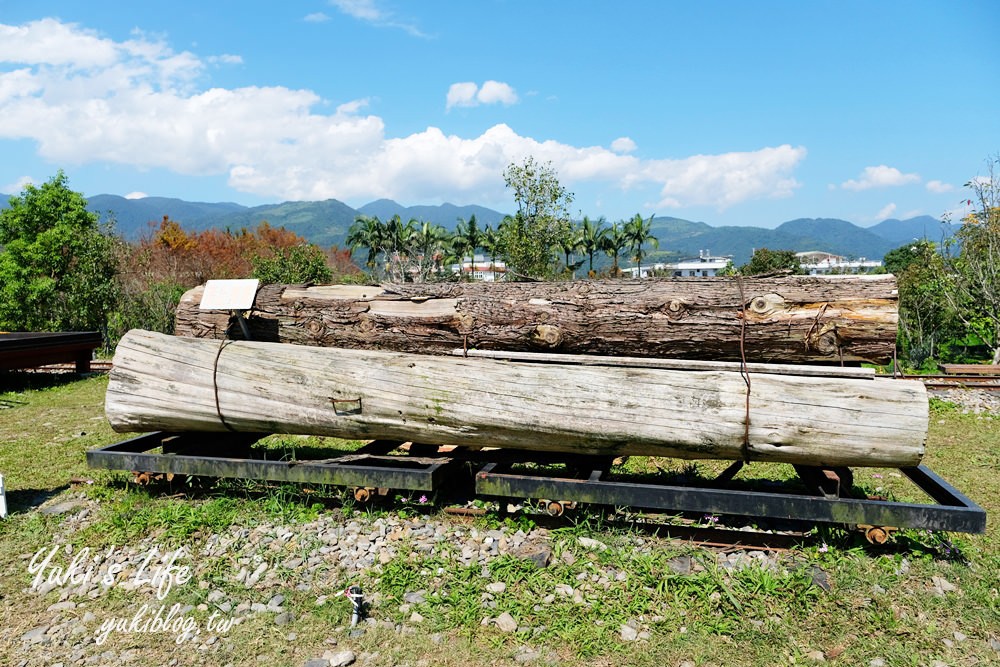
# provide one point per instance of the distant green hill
(898, 232)
(689, 239)
(134, 217)
(445, 215)
(326, 223)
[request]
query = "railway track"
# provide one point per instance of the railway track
(96, 366)
(985, 382)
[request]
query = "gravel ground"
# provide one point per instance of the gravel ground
(972, 401)
(264, 565)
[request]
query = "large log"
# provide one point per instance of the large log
(801, 319)
(161, 382)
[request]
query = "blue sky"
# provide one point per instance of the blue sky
(727, 112)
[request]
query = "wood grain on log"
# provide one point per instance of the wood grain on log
(185, 384)
(672, 364)
(800, 319)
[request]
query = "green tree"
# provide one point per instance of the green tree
(397, 243)
(897, 260)
(468, 238)
(569, 243)
(296, 264)
(765, 260)
(530, 236)
(615, 241)
(429, 245)
(492, 245)
(925, 320)
(639, 232)
(57, 262)
(973, 286)
(368, 233)
(592, 235)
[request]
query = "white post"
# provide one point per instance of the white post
(3, 500)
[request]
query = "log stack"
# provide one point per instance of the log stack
(817, 417)
(798, 319)
(632, 367)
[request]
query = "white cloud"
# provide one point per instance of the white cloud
(623, 145)
(727, 179)
(51, 42)
(359, 9)
(17, 186)
(497, 92)
(886, 212)
(226, 59)
(352, 107)
(939, 187)
(368, 11)
(316, 17)
(469, 94)
(140, 108)
(462, 94)
(136, 195)
(880, 177)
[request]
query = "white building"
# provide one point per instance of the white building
(818, 263)
(703, 266)
(481, 268)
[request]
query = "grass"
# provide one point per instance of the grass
(882, 603)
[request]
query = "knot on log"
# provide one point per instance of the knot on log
(316, 328)
(366, 325)
(464, 323)
(674, 309)
(547, 336)
(765, 304)
(824, 340)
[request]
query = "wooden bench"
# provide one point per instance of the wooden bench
(970, 369)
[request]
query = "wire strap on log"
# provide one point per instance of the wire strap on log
(215, 384)
(744, 371)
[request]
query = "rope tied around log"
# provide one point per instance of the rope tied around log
(215, 382)
(744, 371)
(218, 353)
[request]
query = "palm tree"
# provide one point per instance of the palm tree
(593, 235)
(615, 240)
(569, 242)
(429, 244)
(639, 232)
(398, 238)
(369, 233)
(491, 244)
(468, 237)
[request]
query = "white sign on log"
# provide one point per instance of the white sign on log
(229, 294)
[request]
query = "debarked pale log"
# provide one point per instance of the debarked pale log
(795, 319)
(161, 382)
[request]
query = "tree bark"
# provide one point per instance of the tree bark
(161, 382)
(801, 319)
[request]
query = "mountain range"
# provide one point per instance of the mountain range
(326, 223)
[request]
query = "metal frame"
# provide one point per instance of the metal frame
(953, 512)
(426, 468)
(230, 456)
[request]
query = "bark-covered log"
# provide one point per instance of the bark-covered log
(161, 382)
(801, 319)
